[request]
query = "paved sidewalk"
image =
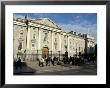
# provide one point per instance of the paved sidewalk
(63, 69)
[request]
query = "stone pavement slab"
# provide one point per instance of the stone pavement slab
(65, 69)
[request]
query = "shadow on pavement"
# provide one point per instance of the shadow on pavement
(26, 70)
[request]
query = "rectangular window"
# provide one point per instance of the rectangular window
(34, 36)
(21, 34)
(33, 28)
(45, 37)
(20, 46)
(55, 45)
(33, 45)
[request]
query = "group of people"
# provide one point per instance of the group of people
(79, 60)
(73, 60)
(47, 61)
(65, 60)
(55, 61)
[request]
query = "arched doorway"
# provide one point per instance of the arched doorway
(45, 52)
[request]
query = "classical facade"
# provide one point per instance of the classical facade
(42, 37)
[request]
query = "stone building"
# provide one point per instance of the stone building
(43, 38)
(90, 45)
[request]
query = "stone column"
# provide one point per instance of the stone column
(52, 40)
(28, 39)
(68, 45)
(59, 42)
(39, 43)
(39, 38)
(59, 45)
(52, 46)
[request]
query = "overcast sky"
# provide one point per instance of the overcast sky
(79, 22)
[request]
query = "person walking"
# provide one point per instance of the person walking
(41, 62)
(70, 59)
(49, 60)
(19, 63)
(52, 61)
(46, 61)
(73, 62)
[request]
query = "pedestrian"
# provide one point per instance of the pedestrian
(15, 64)
(73, 61)
(49, 60)
(46, 59)
(24, 55)
(52, 61)
(19, 63)
(64, 60)
(76, 61)
(70, 59)
(41, 62)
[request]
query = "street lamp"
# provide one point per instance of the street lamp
(26, 22)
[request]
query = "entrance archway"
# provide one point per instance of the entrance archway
(45, 52)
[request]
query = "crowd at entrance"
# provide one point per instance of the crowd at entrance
(47, 60)
(71, 60)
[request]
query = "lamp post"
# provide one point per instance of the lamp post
(26, 22)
